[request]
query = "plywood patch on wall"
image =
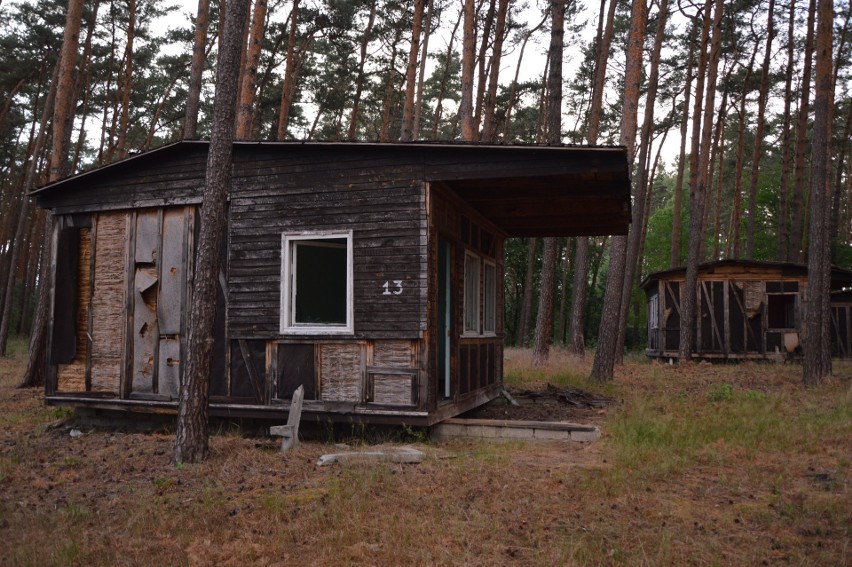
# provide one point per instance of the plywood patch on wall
(108, 302)
(72, 377)
(341, 372)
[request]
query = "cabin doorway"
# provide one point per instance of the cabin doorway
(445, 254)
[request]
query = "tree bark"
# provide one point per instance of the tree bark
(698, 164)
(481, 66)
(603, 365)
(248, 88)
(23, 210)
(445, 75)
(817, 340)
(191, 437)
(734, 245)
(526, 302)
(513, 90)
(62, 108)
(489, 126)
(424, 53)
(407, 134)
(757, 152)
(127, 83)
(677, 206)
(797, 251)
(193, 101)
(638, 213)
(783, 251)
(544, 319)
(289, 74)
(580, 283)
(468, 126)
(359, 82)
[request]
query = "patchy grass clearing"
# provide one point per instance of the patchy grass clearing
(699, 465)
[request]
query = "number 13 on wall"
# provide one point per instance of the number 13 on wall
(392, 288)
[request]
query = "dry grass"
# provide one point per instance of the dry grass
(699, 465)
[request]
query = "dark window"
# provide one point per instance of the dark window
(781, 311)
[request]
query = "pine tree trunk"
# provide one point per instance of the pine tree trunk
(445, 76)
(783, 252)
(359, 82)
(19, 206)
(638, 213)
(699, 190)
(510, 106)
(390, 89)
(797, 251)
(677, 206)
(127, 83)
(544, 319)
(482, 77)
(63, 107)
(489, 126)
(605, 355)
(248, 88)
(191, 437)
(734, 245)
(289, 74)
(526, 303)
(757, 152)
(817, 340)
(580, 283)
(193, 101)
(407, 134)
(424, 53)
(468, 127)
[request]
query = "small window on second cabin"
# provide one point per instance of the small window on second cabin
(781, 311)
(316, 290)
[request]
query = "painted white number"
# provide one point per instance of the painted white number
(397, 288)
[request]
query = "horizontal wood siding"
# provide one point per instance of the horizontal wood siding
(150, 181)
(380, 200)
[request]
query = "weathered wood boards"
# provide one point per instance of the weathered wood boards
(746, 309)
(389, 206)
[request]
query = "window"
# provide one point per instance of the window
(489, 323)
(781, 311)
(471, 294)
(316, 277)
(480, 295)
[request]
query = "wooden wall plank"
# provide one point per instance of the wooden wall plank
(170, 304)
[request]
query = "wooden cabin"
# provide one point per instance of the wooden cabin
(745, 309)
(370, 274)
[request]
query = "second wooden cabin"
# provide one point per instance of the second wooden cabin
(744, 309)
(370, 274)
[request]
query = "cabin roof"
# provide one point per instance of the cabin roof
(840, 277)
(529, 190)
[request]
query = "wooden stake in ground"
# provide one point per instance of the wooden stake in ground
(191, 436)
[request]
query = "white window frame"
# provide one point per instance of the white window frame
(466, 331)
(492, 309)
(286, 323)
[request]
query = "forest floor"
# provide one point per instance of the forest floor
(698, 464)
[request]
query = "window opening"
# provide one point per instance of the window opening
(317, 283)
(471, 294)
(489, 323)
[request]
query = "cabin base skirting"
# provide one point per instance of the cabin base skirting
(523, 430)
(276, 413)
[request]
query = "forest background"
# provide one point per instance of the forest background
(367, 69)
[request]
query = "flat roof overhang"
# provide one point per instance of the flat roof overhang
(529, 190)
